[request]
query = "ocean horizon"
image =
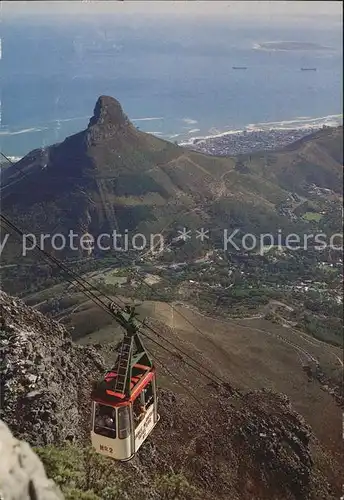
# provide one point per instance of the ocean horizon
(174, 79)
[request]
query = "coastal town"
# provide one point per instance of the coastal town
(248, 141)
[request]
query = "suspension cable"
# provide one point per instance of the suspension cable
(96, 299)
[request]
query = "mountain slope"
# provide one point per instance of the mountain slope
(112, 177)
(316, 158)
(233, 445)
(39, 358)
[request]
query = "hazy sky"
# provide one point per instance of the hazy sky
(269, 11)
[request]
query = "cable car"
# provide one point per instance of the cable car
(124, 403)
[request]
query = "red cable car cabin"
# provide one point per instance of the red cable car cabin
(124, 403)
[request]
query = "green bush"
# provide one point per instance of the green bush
(175, 487)
(82, 474)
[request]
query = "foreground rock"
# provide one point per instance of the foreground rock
(22, 475)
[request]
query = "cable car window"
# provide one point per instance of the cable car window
(105, 421)
(123, 422)
(139, 410)
(148, 395)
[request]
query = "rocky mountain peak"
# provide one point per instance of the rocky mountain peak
(108, 112)
(107, 123)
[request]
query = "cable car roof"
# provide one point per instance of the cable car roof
(105, 390)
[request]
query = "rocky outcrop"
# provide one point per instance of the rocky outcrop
(108, 111)
(46, 378)
(241, 446)
(22, 475)
(108, 120)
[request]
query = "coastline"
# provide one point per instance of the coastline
(254, 136)
(302, 123)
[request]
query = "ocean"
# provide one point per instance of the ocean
(174, 78)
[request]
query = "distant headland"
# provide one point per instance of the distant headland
(290, 46)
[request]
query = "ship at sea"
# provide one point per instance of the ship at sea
(239, 67)
(308, 69)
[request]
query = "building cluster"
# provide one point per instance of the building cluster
(249, 141)
(314, 189)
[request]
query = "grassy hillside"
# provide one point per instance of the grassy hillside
(317, 158)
